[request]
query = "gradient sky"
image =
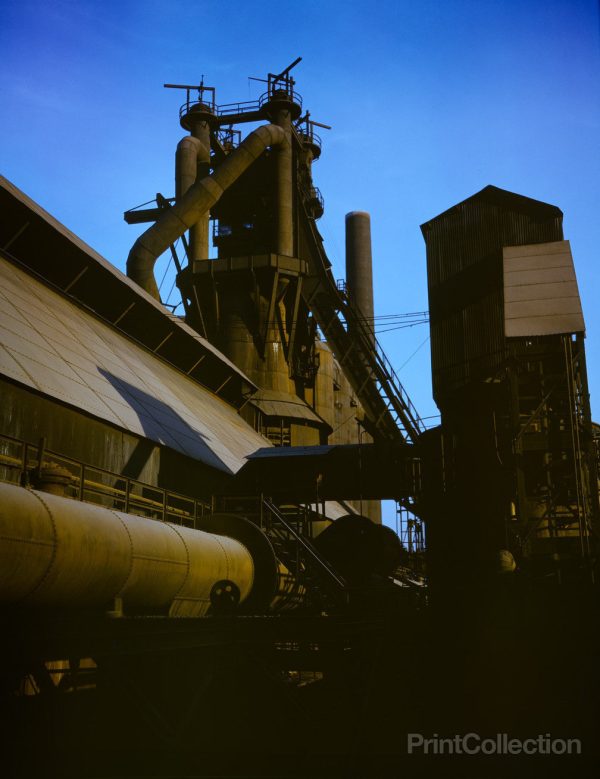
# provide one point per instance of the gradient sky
(429, 100)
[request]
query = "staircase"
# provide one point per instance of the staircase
(306, 578)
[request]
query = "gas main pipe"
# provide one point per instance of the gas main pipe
(198, 199)
(59, 552)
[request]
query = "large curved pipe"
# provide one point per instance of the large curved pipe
(199, 198)
(60, 552)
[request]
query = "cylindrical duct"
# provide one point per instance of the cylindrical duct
(359, 267)
(199, 198)
(61, 552)
(192, 161)
(285, 221)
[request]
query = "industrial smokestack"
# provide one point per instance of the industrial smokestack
(359, 267)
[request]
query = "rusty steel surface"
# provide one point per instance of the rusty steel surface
(58, 349)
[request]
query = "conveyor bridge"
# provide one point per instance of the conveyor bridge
(390, 411)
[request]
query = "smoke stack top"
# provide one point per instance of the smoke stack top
(359, 265)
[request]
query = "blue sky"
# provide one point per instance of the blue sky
(429, 102)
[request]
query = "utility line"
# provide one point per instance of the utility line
(413, 354)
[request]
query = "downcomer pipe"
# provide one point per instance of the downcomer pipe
(198, 199)
(359, 267)
(285, 221)
(192, 161)
(60, 552)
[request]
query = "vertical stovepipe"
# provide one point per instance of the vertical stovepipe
(285, 232)
(192, 162)
(359, 267)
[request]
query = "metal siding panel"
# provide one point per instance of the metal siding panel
(549, 325)
(541, 291)
(550, 307)
(544, 275)
(544, 299)
(538, 249)
(536, 262)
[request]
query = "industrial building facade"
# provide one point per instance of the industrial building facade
(194, 576)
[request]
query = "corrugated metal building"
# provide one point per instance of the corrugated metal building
(515, 455)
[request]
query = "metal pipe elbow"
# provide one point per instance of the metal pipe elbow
(190, 151)
(198, 199)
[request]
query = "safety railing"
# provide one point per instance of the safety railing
(280, 93)
(21, 463)
(306, 562)
(238, 108)
(309, 137)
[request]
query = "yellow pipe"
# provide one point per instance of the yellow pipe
(59, 552)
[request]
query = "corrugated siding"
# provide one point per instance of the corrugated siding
(465, 281)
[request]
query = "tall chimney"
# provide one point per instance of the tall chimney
(359, 266)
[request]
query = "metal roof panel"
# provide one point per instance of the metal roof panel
(81, 361)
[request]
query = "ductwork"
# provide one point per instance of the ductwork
(198, 199)
(192, 161)
(191, 152)
(63, 553)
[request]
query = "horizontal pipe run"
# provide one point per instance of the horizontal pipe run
(59, 552)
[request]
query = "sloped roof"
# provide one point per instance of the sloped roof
(281, 404)
(43, 245)
(59, 349)
(504, 199)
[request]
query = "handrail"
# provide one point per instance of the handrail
(242, 107)
(280, 93)
(396, 403)
(306, 546)
(358, 323)
(162, 503)
(310, 137)
(237, 108)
